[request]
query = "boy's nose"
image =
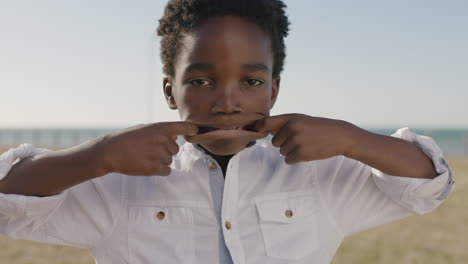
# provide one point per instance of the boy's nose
(227, 101)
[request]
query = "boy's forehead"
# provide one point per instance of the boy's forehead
(226, 39)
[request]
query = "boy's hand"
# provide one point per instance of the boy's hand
(305, 138)
(144, 149)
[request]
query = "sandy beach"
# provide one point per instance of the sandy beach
(435, 238)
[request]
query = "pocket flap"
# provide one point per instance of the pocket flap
(286, 210)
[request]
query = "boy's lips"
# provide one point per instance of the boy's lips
(209, 129)
(224, 134)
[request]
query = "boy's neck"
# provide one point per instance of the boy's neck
(223, 160)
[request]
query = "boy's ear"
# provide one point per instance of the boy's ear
(274, 90)
(168, 93)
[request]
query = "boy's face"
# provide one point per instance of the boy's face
(223, 82)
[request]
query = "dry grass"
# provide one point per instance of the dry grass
(436, 238)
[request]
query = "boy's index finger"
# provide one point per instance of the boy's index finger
(181, 128)
(271, 123)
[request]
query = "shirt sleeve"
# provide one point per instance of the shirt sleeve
(81, 216)
(360, 197)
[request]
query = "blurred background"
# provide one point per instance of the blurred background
(74, 70)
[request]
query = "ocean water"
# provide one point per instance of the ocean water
(452, 142)
(50, 137)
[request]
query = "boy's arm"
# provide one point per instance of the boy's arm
(79, 216)
(362, 191)
(305, 138)
(390, 155)
(360, 197)
(140, 150)
(84, 210)
(52, 172)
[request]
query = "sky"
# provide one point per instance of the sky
(95, 63)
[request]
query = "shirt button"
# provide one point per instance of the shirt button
(212, 165)
(160, 215)
(228, 225)
(288, 213)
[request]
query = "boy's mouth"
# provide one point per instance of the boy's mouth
(210, 133)
(207, 129)
(220, 128)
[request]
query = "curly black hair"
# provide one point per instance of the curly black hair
(182, 16)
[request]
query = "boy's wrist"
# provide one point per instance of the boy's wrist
(354, 135)
(98, 154)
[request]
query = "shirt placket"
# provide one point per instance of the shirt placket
(229, 211)
(217, 186)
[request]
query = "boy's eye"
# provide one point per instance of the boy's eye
(199, 82)
(254, 82)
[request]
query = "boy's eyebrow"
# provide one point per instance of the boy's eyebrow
(210, 67)
(199, 67)
(256, 67)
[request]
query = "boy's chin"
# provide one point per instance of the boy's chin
(224, 147)
(226, 144)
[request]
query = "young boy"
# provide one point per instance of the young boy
(230, 196)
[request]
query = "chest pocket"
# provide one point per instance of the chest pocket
(289, 226)
(161, 235)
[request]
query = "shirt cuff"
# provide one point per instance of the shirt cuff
(14, 155)
(14, 205)
(21, 206)
(420, 195)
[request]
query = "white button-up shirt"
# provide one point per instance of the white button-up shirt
(264, 211)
